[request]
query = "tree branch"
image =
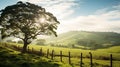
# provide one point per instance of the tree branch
(18, 37)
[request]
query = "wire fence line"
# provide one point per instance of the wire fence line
(52, 55)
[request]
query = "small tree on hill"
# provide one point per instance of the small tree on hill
(26, 21)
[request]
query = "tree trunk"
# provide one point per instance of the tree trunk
(24, 50)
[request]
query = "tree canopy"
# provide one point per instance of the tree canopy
(26, 21)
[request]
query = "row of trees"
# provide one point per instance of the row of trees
(25, 21)
(37, 41)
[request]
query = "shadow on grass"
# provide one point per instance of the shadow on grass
(10, 58)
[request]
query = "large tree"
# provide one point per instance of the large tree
(26, 21)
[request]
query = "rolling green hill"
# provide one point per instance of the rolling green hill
(87, 39)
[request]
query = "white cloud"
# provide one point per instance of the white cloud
(101, 11)
(105, 21)
(61, 11)
(117, 7)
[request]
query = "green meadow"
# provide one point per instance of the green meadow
(101, 57)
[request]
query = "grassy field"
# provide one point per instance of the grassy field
(100, 56)
(12, 58)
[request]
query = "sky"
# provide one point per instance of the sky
(80, 15)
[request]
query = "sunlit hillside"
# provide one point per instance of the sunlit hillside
(87, 39)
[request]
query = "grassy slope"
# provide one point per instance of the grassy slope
(11, 58)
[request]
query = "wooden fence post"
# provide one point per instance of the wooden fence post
(91, 62)
(5, 45)
(28, 48)
(32, 50)
(41, 51)
(47, 53)
(52, 54)
(61, 56)
(111, 60)
(81, 60)
(69, 58)
(17, 47)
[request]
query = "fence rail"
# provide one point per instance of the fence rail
(52, 54)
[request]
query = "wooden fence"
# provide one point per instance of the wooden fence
(52, 55)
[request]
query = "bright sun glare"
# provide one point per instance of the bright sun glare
(42, 20)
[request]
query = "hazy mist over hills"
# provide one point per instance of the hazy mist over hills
(85, 38)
